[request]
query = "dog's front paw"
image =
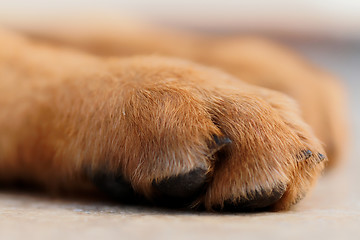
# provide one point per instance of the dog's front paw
(189, 135)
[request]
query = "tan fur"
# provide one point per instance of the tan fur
(152, 117)
(321, 97)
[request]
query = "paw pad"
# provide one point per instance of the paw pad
(255, 201)
(115, 186)
(181, 188)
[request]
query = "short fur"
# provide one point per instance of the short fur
(65, 115)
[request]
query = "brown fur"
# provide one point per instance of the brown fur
(321, 97)
(152, 117)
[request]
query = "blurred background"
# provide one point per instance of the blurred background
(328, 31)
(325, 31)
(306, 18)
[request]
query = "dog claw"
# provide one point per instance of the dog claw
(305, 154)
(321, 157)
(219, 143)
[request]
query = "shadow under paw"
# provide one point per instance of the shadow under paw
(115, 186)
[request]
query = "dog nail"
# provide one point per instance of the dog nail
(219, 143)
(305, 154)
(321, 157)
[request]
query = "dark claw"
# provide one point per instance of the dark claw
(180, 190)
(321, 157)
(305, 154)
(256, 201)
(219, 143)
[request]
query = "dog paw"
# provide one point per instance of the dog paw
(189, 136)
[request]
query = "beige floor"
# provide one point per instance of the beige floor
(332, 211)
